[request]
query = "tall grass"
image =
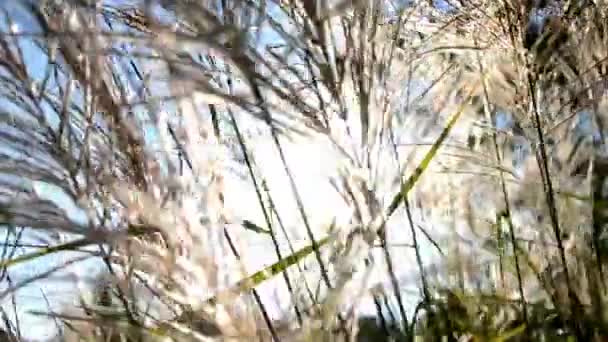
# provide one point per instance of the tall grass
(415, 169)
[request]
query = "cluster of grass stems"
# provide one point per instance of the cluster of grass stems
(471, 128)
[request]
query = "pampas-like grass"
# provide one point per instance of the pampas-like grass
(261, 170)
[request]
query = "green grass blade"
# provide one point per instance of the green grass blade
(260, 276)
(68, 246)
(72, 246)
(254, 227)
(510, 334)
(268, 272)
(426, 161)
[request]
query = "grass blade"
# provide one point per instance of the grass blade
(426, 161)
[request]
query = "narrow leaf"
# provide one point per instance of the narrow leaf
(268, 272)
(510, 334)
(254, 227)
(426, 161)
(68, 246)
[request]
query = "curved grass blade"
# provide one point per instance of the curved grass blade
(72, 246)
(68, 246)
(254, 227)
(426, 161)
(510, 334)
(260, 276)
(268, 272)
